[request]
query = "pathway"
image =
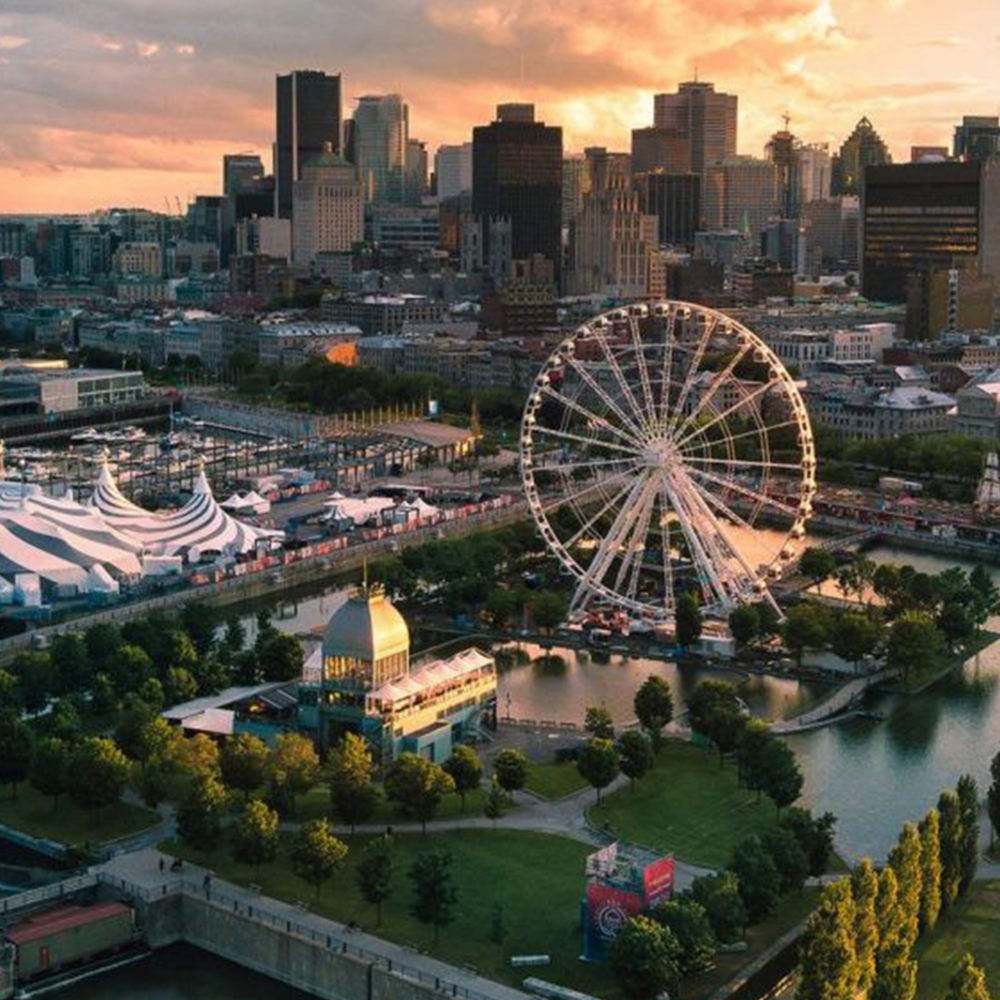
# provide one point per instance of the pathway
(838, 702)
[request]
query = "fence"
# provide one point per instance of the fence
(33, 897)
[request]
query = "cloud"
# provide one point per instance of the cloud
(13, 41)
(146, 49)
(950, 42)
(184, 50)
(110, 46)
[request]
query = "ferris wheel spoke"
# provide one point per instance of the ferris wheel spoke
(753, 432)
(666, 374)
(579, 368)
(601, 484)
(747, 462)
(635, 539)
(626, 389)
(640, 352)
(666, 512)
(691, 374)
(580, 439)
(719, 380)
(583, 464)
(600, 421)
(569, 543)
(729, 411)
(697, 540)
(743, 490)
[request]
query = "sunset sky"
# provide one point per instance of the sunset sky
(125, 102)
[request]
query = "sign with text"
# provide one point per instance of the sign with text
(658, 881)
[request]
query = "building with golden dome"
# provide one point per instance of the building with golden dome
(367, 685)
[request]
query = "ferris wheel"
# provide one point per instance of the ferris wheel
(666, 449)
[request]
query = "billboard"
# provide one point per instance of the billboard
(658, 881)
(609, 909)
(602, 863)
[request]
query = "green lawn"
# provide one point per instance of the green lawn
(553, 781)
(972, 925)
(944, 664)
(32, 813)
(687, 805)
(491, 867)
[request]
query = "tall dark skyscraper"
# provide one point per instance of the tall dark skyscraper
(675, 200)
(977, 137)
(707, 118)
(863, 148)
(308, 117)
(517, 175)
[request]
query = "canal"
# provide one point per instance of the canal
(873, 775)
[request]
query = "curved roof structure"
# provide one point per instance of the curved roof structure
(366, 627)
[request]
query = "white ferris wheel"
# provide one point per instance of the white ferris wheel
(664, 449)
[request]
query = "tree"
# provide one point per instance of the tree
(598, 723)
(499, 608)
(48, 768)
(292, 769)
(194, 756)
(416, 786)
(993, 799)
(130, 668)
(708, 697)
(782, 776)
(828, 960)
(968, 800)
(636, 757)
(353, 794)
(969, 982)
(788, 858)
(374, 874)
(434, 897)
(36, 679)
(914, 643)
(751, 753)
(686, 918)
(71, 662)
(905, 861)
(16, 745)
(757, 877)
(317, 853)
(720, 896)
(744, 624)
(724, 727)
(817, 565)
(930, 864)
(179, 686)
(598, 764)
(814, 834)
(134, 715)
(199, 621)
(896, 978)
(806, 626)
(466, 770)
(281, 657)
(199, 816)
(549, 610)
(950, 811)
(644, 959)
(987, 596)
(236, 636)
(243, 763)
(687, 620)
(103, 641)
(96, 773)
(654, 706)
(510, 768)
(256, 834)
(864, 889)
(855, 637)
(11, 699)
(496, 801)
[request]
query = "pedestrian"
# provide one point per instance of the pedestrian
(161, 866)
(207, 883)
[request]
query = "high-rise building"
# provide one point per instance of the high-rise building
(308, 117)
(675, 200)
(814, 172)
(782, 150)
(660, 149)
(517, 167)
(240, 171)
(416, 171)
(575, 184)
(453, 171)
(381, 139)
(328, 210)
(921, 217)
(741, 193)
(863, 148)
(707, 118)
(204, 219)
(242, 176)
(613, 237)
(977, 138)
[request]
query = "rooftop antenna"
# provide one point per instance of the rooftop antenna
(787, 119)
(696, 72)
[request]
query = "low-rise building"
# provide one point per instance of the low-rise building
(62, 391)
(384, 314)
(872, 415)
(290, 343)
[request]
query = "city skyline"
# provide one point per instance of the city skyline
(200, 78)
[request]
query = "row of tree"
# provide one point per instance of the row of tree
(861, 938)
(680, 938)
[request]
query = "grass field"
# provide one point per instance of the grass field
(553, 781)
(32, 813)
(687, 805)
(490, 868)
(316, 805)
(972, 925)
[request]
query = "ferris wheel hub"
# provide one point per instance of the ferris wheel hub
(660, 454)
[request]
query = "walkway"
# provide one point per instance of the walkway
(839, 701)
(146, 873)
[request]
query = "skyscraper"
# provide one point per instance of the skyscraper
(921, 217)
(782, 150)
(660, 149)
(416, 171)
(977, 137)
(517, 175)
(381, 137)
(675, 200)
(708, 120)
(308, 117)
(863, 148)
(741, 193)
(239, 171)
(814, 168)
(328, 214)
(453, 171)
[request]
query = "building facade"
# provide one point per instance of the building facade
(707, 118)
(328, 212)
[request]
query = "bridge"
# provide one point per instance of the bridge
(846, 697)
